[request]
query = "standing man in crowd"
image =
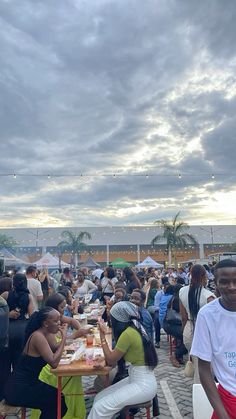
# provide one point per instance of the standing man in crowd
(34, 286)
(214, 343)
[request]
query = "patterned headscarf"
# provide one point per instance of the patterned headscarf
(126, 312)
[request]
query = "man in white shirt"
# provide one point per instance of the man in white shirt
(34, 286)
(214, 343)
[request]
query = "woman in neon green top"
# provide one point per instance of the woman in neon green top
(71, 385)
(133, 346)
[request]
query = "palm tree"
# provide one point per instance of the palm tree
(60, 249)
(73, 243)
(7, 242)
(174, 232)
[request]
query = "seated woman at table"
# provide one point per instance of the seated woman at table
(133, 345)
(69, 309)
(58, 301)
(119, 295)
(23, 387)
(70, 385)
(84, 286)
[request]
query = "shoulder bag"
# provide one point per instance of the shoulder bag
(172, 316)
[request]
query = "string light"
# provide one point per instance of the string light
(105, 174)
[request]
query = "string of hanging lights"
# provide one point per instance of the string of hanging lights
(116, 175)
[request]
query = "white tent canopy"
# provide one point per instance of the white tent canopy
(10, 259)
(149, 263)
(50, 261)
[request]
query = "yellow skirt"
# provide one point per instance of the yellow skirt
(75, 404)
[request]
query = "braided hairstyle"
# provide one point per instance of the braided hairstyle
(198, 282)
(36, 321)
(20, 294)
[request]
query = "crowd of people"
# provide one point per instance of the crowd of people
(194, 305)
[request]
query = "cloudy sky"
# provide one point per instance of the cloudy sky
(128, 105)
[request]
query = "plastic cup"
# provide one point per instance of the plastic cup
(89, 340)
(89, 356)
(97, 338)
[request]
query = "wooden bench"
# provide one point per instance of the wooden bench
(6, 409)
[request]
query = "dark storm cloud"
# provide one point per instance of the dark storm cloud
(115, 87)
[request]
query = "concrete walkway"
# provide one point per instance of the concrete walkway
(174, 389)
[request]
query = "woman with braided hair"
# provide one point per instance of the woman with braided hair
(192, 298)
(23, 387)
(132, 345)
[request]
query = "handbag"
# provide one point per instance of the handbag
(172, 316)
(189, 369)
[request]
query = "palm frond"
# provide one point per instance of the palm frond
(181, 226)
(84, 234)
(190, 238)
(175, 219)
(66, 234)
(156, 239)
(174, 233)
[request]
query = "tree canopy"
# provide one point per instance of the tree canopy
(175, 235)
(73, 243)
(7, 242)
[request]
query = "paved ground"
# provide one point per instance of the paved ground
(174, 389)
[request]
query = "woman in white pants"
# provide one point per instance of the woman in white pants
(133, 346)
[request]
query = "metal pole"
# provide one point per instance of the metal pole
(108, 254)
(37, 236)
(138, 253)
(212, 239)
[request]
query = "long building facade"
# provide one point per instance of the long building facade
(133, 243)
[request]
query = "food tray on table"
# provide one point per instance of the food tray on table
(69, 355)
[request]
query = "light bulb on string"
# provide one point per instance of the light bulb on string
(213, 176)
(179, 176)
(14, 176)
